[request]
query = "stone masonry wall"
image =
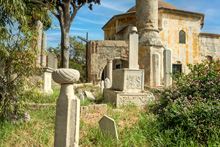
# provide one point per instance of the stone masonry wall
(99, 52)
(209, 45)
(172, 24)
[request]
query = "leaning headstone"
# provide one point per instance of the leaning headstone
(107, 83)
(89, 95)
(52, 60)
(67, 110)
(108, 127)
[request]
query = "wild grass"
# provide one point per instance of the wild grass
(136, 127)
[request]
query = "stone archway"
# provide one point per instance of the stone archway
(98, 53)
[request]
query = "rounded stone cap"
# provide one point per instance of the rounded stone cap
(65, 75)
(134, 29)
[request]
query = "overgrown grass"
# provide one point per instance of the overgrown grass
(36, 96)
(135, 126)
(38, 132)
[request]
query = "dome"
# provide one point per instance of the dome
(161, 4)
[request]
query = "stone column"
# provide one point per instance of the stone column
(167, 67)
(68, 109)
(133, 49)
(109, 70)
(43, 50)
(39, 26)
(149, 38)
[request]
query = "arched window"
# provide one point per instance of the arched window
(182, 37)
(209, 58)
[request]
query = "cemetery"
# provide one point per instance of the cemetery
(124, 90)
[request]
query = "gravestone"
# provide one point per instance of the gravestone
(67, 109)
(167, 67)
(133, 49)
(107, 83)
(102, 85)
(52, 60)
(81, 97)
(108, 127)
(47, 80)
(156, 69)
(89, 95)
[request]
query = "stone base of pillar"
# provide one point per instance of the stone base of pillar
(128, 80)
(148, 55)
(119, 98)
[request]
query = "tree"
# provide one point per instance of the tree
(17, 57)
(77, 57)
(65, 11)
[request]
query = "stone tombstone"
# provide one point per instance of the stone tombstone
(67, 109)
(133, 49)
(52, 60)
(156, 69)
(102, 85)
(109, 70)
(80, 91)
(108, 127)
(107, 83)
(47, 80)
(167, 67)
(89, 95)
(81, 97)
(43, 50)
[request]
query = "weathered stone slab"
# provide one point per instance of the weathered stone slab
(108, 127)
(119, 98)
(89, 95)
(52, 60)
(156, 69)
(99, 108)
(167, 67)
(47, 80)
(128, 80)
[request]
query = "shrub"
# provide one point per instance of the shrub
(192, 103)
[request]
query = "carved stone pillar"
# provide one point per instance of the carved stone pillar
(68, 109)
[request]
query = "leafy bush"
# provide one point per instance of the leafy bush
(192, 103)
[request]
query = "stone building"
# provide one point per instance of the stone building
(179, 30)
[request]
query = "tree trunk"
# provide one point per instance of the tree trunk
(64, 48)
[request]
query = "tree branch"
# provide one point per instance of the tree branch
(76, 9)
(45, 5)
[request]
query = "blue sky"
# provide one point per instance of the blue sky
(93, 21)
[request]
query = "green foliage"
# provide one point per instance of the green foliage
(17, 58)
(192, 103)
(35, 96)
(77, 57)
